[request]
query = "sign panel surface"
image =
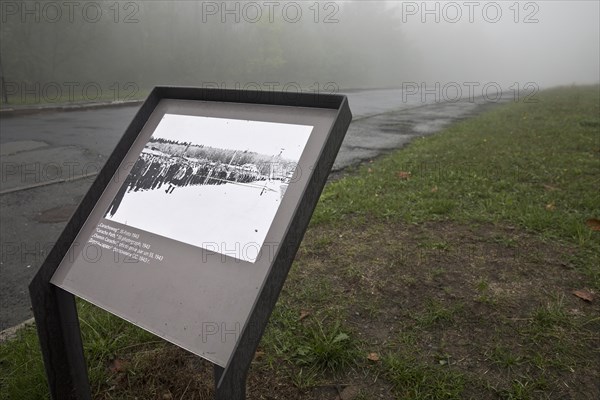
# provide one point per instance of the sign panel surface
(183, 237)
(214, 183)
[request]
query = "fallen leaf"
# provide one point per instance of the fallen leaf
(258, 355)
(434, 189)
(593, 223)
(373, 357)
(369, 170)
(404, 175)
(303, 314)
(550, 188)
(584, 295)
(550, 206)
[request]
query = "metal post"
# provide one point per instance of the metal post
(60, 340)
(231, 386)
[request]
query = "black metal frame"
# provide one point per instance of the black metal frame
(55, 311)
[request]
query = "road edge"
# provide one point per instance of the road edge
(10, 333)
(28, 110)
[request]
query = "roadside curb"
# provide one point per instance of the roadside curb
(11, 333)
(27, 110)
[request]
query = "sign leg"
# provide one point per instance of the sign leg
(229, 386)
(60, 340)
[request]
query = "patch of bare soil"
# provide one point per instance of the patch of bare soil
(493, 304)
(164, 373)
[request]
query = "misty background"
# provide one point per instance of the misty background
(134, 45)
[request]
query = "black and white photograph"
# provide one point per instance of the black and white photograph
(210, 182)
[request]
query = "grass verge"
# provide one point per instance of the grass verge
(62, 98)
(444, 270)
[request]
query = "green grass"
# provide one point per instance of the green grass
(318, 345)
(21, 368)
(436, 313)
(413, 380)
(39, 97)
(459, 278)
(104, 336)
(551, 314)
(504, 357)
(507, 165)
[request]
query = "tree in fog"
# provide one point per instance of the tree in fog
(168, 43)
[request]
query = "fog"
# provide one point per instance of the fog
(553, 43)
(125, 48)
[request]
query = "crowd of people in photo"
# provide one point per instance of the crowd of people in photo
(158, 171)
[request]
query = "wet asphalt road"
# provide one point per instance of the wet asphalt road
(48, 146)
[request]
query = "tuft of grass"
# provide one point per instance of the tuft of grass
(436, 313)
(310, 346)
(525, 388)
(326, 347)
(504, 357)
(305, 378)
(551, 314)
(414, 380)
